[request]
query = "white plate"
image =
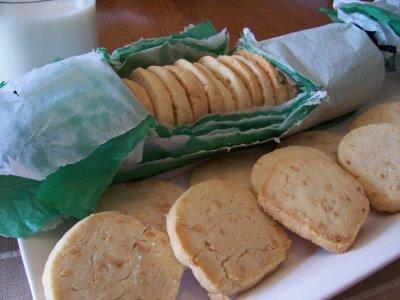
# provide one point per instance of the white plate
(309, 272)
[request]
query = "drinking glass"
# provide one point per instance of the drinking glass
(34, 33)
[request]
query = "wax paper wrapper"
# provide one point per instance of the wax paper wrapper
(380, 19)
(66, 128)
(337, 67)
(71, 128)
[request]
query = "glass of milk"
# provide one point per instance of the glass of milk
(34, 33)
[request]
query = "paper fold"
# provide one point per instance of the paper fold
(59, 114)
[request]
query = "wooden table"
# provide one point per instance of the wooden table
(123, 21)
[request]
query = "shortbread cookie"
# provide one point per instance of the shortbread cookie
(194, 91)
(227, 98)
(148, 201)
(158, 94)
(112, 256)
(323, 140)
(371, 154)
(231, 81)
(217, 230)
(267, 90)
(141, 95)
(316, 199)
(215, 101)
(381, 113)
(180, 103)
(236, 169)
(245, 74)
(277, 78)
(263, 166)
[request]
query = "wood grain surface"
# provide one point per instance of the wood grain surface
(123, 21)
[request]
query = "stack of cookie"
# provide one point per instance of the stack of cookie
(311, 195)
(371, 153)
(301, 187)
(317, 184)
(227, 226)
(185, 92)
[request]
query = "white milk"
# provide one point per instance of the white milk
(34, 34)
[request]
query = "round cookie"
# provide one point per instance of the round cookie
(381, 113)
(217, 230)
(235, 169)
(276, 77)
(231, 81)
(180, 103)
(322, 140)
(227, 98)
(194, 91)
(263, 166)
(215, 101)
(371, 154)
(267, 90)
(140, 94)
(245, 74)
(316, 199)
(148, 201)
(111, 255)
(158, 94)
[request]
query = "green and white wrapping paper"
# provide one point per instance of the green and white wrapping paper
(191, 44)
(65, 129)
(57, 115)
(337, 67)
(380, 18)
(72, 127)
